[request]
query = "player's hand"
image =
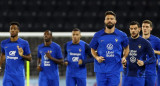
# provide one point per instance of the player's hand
(20, 51)
(39, 68)
(140, 63)
(48, 55)
(124, 65)
(80, 61)
(66, 63)
(124, 61)
(100, 59)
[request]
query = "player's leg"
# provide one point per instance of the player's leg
(70, 81)
(7, 80)
(18, 80)
(81, 81)
(126, 81)
(53, 82)
(114, 79)
(42, 81)
(138, 81)
(101, 79)
(150, 80)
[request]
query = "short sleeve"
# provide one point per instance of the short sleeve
(94, 42)
(59, 52)
(38, 52)
(125, 41)
(27, 49)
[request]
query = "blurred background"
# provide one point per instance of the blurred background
(64, 15)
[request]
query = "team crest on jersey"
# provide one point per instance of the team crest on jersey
(139, 46)
(116, 40)
(50, 51)
(109, 46)
(80, 50)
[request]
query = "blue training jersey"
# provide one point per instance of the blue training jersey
(49, 67)
(139, 48)
(151, 68)
(14, 62)
(74, 52)
(109, 46)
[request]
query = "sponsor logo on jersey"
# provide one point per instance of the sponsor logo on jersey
(12, 53)
(45, 57)
(133, 54)
(75, 54)
(75, 59)
(102, 40)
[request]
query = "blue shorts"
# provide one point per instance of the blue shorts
(44, 81)
(133, 81)
(150, 80)
(104, 79)
(13, 80)
(75, 81)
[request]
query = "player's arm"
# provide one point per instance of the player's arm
(94, 44)
(100, 59)
(27, 57)
(21, 53)
(88, 52)
(39, 64)
(65, 55)
(58, 61)
(157, 52)
(2, 59)
(157, 47)
(151, 54)
(125, 44)
(125, 54)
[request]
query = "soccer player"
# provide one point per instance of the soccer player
(49, 55)
(134, 71)
(107, 46)
(14, 51)
(150, 73)
(76, 52)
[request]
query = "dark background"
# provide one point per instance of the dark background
(64, 15)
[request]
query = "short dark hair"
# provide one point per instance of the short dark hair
(76, 29)
(49, 32)
(134, 23)
(15, 23)
(148, 22)
(110, 13)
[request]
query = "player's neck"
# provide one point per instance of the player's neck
(47, 43)
(75, 42)
(13, 39)
(146, 36)
(107, 30)
(135, 37)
